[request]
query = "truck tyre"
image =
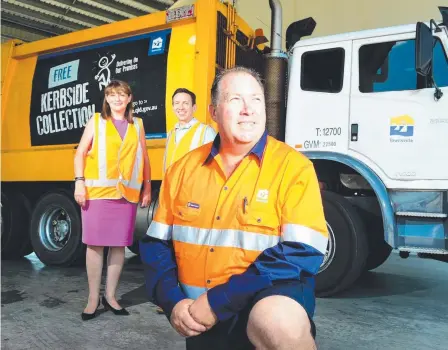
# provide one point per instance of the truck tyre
(135, 248)
(379, 250)
(378, 254)
(347, 248)
(15, 220)
(143, 220)
(56, 231)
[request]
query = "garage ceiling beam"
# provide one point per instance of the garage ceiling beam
(55, 17)
(11, 32)
(138, 5)
(53, 13)
(84, 9)
(39, 18)
(160, 5)
(34, 27)
(115, 7)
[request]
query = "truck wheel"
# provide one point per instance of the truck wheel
(135, 248)
(56, 231)
(15, 220)
(143, 220)
(378, 255)
(347, 246)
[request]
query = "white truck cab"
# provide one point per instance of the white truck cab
(370, 109)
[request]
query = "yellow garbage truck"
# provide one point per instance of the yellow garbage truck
(51, 87)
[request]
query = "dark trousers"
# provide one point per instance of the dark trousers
(232, 335)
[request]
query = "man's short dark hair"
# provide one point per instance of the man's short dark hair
(185, 91)
(220, 76)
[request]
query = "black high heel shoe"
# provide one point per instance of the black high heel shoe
(85, 316)
(107, 306)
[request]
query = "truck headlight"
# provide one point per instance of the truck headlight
(354, 182)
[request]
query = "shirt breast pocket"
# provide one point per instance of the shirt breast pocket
(185, 231)
(259, 220)
(183, 214)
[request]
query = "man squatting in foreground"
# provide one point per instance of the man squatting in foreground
(239, 233)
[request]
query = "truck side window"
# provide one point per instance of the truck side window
(323, 70)
(390, 66)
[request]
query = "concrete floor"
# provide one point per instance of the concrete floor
(401, 305)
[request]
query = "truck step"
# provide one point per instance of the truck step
(423, 250)
(421, 214)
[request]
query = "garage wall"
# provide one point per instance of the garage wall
(339, 16)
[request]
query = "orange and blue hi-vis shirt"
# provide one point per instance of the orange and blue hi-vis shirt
(232, 237)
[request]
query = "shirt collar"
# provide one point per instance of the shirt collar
(187, 125)
(257, 150)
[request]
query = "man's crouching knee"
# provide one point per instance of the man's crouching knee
(279, 322)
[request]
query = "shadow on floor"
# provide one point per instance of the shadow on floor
(377, 284)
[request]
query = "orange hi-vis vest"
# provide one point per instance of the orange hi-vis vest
(219, 226)
(114, 167)
(193, 138)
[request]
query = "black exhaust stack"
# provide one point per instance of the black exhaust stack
(275, 75)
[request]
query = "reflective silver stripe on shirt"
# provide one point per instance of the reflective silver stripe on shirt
(160, 231)
(196, 140)
(134, 183)
(102, 146)
(224, 238)
(101, 183)
(304, 234)
(192, 292)
(166, 148)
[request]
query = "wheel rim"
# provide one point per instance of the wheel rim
(330, 252)
(54, 229)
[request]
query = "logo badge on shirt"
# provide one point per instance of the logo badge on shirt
(193, 205)
(262, 196)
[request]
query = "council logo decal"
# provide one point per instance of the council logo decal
(401, 129)
(262, 196)
(157, 45)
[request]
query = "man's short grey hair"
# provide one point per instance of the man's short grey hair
(216, 86)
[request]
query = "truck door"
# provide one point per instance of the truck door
(318, 97)
(402, 131)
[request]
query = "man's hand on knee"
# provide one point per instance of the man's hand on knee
(202, 313)
(182, 321)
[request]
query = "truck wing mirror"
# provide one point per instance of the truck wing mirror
(444, 12)
(424, 44)
(299, 29)
(423, 49)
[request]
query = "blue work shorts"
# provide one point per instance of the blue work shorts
(231, 334)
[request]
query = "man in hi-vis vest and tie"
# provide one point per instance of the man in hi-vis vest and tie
(188, 133)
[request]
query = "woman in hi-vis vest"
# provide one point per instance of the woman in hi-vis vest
(111, 164)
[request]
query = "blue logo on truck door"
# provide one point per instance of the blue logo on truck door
(402, 126)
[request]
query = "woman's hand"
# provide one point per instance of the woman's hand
(80, 193)
(146, 195)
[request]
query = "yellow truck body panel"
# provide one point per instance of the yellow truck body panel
(40, 130)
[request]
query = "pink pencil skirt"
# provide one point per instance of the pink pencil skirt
(108, 222)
